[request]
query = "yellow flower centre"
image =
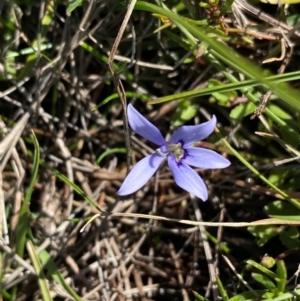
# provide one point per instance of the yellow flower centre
(174, 150)
(177, 151)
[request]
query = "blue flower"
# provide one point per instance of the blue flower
(180, 153)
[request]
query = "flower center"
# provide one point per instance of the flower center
(174, 150)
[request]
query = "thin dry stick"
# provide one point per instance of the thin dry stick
(285, 161)
(139, 284)
(67, 155)
(263, 103)
(295, 276)
(264, 99)
(282, 56)
(239, 276)
(154, 224)
(16, 257)
(245, 6)
(38, 54)
(141, 63)
(127, 276)
(286, 60)
(179, 273)
(19, 193)
(87, 15)
(118, 253)
(207, 250)
(3, 221)
(8, 143)
(123, 263)
(268, 221)
(116, 80)
(219, 236)
(253, 33)
(97, 251)
(7, 149)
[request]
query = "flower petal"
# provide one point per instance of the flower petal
(204, 158)
(192, 133)
(186, 178)
(140, 174)
(143, 127)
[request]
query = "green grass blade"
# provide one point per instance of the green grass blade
(50, 265)
(258, 174)
(261, 268)
(117, 150)
(199, 297)
(22, 226)
(289, 95)
(76, 188)
(293, 294)
(73, 4)
(228, 87)
(282, 276)
(127, 94)
(23, 222)
(45, 292)
(222, 290)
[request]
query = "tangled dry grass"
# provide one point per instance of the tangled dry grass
(53, 92)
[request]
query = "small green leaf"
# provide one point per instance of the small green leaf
(185, 112)
(290, 238)
(242, 110)
(227, 6)
(293, 295)
(246, 296)
(73, 4)
(293, 19)
(278, 176)
(282, 210)
(264, 233)
(223, 98)
(264, 280)
(262, 269)
(268, 295)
